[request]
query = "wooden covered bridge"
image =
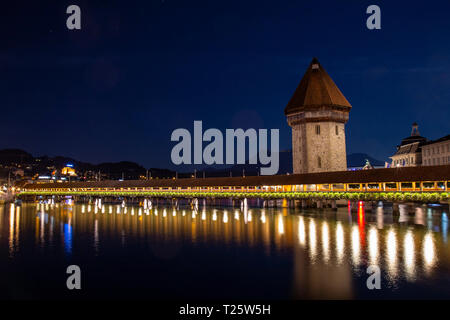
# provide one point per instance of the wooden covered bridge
(425, 183)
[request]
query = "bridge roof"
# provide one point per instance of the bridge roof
(403, 174)
(316, 89)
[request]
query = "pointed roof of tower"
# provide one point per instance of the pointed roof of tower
(316, 89)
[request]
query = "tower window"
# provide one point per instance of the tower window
(319, 162)
(317, 129)
(337, 130)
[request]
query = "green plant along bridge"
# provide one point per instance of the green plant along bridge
(421, 184)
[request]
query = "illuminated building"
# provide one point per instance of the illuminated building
(68, 170)
(436, 152)
(409, 152)
(317, 113)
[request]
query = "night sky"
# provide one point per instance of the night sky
(116, 89)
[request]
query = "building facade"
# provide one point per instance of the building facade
(317, 114)
(416, 150)
(409, 152)
(436, 152)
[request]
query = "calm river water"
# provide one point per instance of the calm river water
(222, 253)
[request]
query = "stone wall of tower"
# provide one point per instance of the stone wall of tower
(298, 147)
(308, 146)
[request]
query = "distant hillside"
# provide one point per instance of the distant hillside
(359, 160)
(12, 156)
(45, 164)
(132, 170)
(285, 165)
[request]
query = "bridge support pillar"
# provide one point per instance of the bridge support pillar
(304, 204)
(319, 204)
(333, 204)
(368, 205)
(395, 207)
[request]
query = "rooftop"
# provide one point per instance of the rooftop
(443, 139)
(403, 174)
(316, 89)
(409, 148)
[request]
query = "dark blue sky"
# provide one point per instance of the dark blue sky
(138, 70)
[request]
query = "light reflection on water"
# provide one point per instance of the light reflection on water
(409, 255)
(340, 242)
(328, 250)
(391, 252)
(355, 246)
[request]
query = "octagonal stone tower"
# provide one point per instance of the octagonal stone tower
(317, 113)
